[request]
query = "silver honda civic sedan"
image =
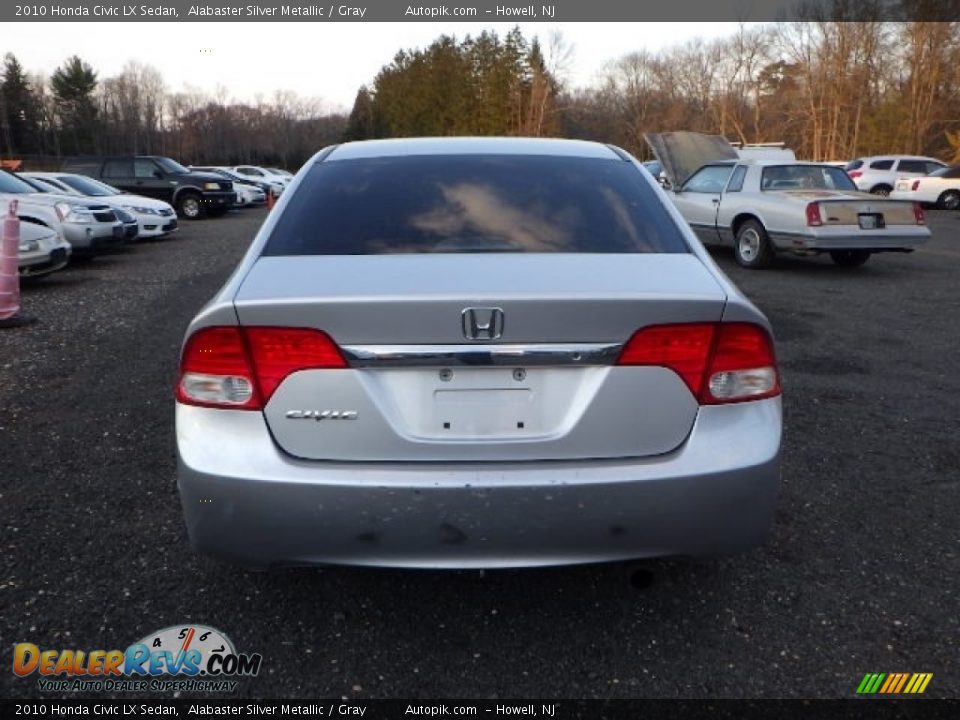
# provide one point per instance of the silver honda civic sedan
(476, 352)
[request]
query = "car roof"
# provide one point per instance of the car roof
(768, 162)
(897, 157)
(471, 146)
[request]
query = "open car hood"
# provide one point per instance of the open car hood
(683, 153)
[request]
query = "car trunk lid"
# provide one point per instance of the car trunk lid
(434, 376)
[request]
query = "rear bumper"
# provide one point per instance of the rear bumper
(893, 237)
(245, 501)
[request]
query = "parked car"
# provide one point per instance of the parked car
(258, 173)
(266, 186)
(475, 352)
(940, 188)
(42, 251)
(282, 173)
(765, 151)
(193, 194)
(763, 207)
(154, 218)
(878, 174)
(89, 226)
(249, 195)
(130, 226)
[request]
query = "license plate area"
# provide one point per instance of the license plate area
(870, 221)
(486, 413)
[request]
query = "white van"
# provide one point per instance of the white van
(765, 151)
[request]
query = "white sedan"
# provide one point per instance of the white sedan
(254, 172)
(940, 188)
(41, 251)
(249, 195)
(155, 218)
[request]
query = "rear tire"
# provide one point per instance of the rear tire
(752, 248)
(190, 206)
(949, 200)
(850, 258)
(882, 190)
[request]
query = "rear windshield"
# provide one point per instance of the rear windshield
(805, 177)
(474, 203)
(854, 165)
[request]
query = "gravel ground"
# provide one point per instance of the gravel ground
(860, 575)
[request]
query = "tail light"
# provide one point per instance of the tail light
(918, 214)
(915, 185)
(813, 214)
(240, 368)
(854, 174)
(719, 362)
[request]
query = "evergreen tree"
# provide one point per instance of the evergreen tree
(73, 86)
(360, 124)
(18, 109)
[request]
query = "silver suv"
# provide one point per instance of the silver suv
(878, 175)
(88, 225)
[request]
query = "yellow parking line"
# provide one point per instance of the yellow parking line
(926, 681)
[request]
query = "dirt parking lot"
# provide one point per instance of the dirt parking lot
(859, 576)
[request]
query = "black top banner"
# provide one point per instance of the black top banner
(482, 11)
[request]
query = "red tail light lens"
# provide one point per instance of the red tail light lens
(854, 174)
(279, 352)
(915, 185)
(719, 362)
(813, 214)
(918, 214)
(685, 349)
(239, 368)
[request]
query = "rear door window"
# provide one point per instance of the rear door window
(118, 169)
(474, 203)
(881, 164)
(913, 166)
(145, 169)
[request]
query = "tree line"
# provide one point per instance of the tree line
(74, 112)
(829, 89)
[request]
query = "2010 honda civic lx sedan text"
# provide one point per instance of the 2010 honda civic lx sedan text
(476, 353)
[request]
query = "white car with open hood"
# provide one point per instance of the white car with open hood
(763, 207)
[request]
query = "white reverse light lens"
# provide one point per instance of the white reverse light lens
(736, 384)
(220, 389)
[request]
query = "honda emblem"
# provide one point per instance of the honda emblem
(482, 323)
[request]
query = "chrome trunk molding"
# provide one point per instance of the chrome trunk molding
(527, 355)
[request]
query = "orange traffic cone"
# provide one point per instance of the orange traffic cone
(10, 315)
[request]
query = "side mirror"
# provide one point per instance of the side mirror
(158, 175)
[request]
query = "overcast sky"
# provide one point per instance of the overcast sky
(311, 58)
